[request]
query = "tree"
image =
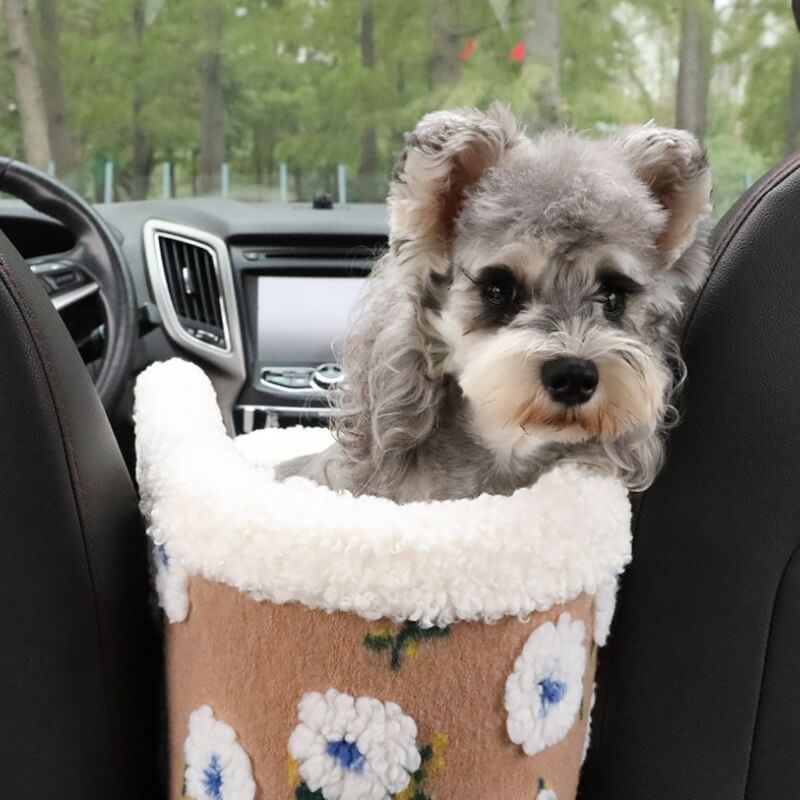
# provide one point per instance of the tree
(543, 68)
(368, 164)
(62, 141)
(30, 100)
(694, 66)
(212, 102)
(770, 113)
(445, 43)
(792, 142)
(316, 83)
(141, 141)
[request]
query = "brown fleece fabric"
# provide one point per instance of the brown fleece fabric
(253, 661)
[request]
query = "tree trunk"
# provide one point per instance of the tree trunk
(368, 164)
(170, 159)
(793, 116)
(694, 66)
(30, 100)
(62, 142)
(141, 142)
(260, 155)
(443, 64)
(194, 182)
(142, 153)
(212, 105)
(543, 63)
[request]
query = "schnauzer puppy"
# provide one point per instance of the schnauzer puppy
(526, 311)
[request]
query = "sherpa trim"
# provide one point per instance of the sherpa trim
(214, 504)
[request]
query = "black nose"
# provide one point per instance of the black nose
(570, 381)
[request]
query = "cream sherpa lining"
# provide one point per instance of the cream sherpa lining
(214, 504)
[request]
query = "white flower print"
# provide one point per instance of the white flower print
(354, 748)
(544, 691)
(171, 581)
(217, 767)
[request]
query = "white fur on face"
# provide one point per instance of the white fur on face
(499, 369)
(499, 373)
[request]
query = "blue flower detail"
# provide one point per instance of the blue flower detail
(163, 556)
(551, 693)
(212, 779)
(347, 755)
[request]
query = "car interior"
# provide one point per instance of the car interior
(698, 694)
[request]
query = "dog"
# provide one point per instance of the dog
(526, 312)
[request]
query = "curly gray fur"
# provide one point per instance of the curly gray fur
(443, 399)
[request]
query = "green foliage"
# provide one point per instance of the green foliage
(304, 793)
(296, 90)
(764, 114)
(736, 165)
(403, 641)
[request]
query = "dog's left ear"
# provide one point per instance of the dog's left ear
(446, 153)
(673, 164)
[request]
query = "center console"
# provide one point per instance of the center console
(265, 314)
(297, 298)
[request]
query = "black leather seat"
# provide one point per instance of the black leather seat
(78, 665)
(699, 689)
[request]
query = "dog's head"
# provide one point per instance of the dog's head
(547, 276)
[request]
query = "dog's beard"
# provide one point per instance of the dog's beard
(500, 375)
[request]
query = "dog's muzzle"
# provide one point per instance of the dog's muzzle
(570, 381)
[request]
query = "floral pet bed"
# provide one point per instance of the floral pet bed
(328, 647)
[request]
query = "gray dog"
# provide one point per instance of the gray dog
(526, 312)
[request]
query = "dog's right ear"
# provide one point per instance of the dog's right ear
(447, 152)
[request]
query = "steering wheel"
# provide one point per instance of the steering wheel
(96, 260)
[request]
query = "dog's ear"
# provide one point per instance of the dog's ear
(673, 164)
(446, 153)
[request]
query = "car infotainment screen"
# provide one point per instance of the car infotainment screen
(301, 320)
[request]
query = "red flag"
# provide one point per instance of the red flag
(517, 52)
(469, 49)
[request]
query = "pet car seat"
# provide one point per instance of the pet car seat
(323, 646)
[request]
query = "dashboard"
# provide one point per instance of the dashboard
(259, 295)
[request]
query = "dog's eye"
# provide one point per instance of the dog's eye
(613, 304)
(498, 286)
(498, 293)
(615, 289)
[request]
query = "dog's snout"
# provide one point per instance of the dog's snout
(570, 381)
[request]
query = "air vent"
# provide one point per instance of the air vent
(192, 278)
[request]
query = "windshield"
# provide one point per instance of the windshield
(277, 100)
